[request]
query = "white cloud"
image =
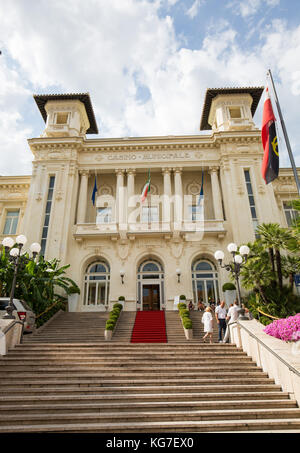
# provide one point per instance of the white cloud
(247, 8)
(193, 10)
(112, 49)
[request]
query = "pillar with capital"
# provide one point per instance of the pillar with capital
(166, 206)
(130, 193)
(120, 198)
(216, 193)
(82, 200)
(178, 198)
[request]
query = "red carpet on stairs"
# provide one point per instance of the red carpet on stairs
(149, 327)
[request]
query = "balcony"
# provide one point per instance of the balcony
(163, 229)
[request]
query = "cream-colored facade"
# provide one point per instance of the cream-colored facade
(122, 247)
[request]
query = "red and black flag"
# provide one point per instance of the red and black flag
(270, 164)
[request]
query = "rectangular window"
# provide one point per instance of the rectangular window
(11, 222)
(235, 112)
(47, 214)
(150, 214)
(290, 214)
(103, 215)
(62, 118)
(251, 201)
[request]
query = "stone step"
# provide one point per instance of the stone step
(136, 406)
(135, 389)
(162, 427)
(115, 368)
(168, 416)
(139, 397)
(147, 359)
(8, 385)
(101, 376)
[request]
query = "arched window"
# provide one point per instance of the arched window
(205, 282)
(96, 284)
(150, 285)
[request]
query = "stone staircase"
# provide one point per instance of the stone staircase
(71, 327)
(198, 327)
(124, 327)
(121, 387)
(175, 332)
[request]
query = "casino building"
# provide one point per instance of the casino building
(153, 251)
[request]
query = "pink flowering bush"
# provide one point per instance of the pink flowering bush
(287, 329)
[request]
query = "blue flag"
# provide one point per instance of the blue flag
(201, 191)
(95, 190)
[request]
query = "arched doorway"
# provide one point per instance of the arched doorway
(96, 285)
(205, 282)
(150, 285)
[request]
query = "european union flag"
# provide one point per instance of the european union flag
(201, 191)
(95, 190)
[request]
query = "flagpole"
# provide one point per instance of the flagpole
(285, 134)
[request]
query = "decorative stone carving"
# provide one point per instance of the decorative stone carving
(193, 188)
(105, 190)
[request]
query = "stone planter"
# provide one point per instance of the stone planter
(108, 334)
(73, 302)
(188, 333)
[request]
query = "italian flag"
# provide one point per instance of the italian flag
(146, 189)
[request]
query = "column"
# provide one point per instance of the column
(120, 197)
(82, 200)
(216, 193)
(130, 193)
(178, 199)
(166, 207)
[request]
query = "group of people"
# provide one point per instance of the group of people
(221, 316)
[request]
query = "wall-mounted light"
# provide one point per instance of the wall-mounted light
(122, 273)
(178, 273)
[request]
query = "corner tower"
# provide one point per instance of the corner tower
(67, 115)
(230, 109)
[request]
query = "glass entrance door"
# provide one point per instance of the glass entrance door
(151, 297)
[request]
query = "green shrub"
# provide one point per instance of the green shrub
(121, 298)
(187, 323)
(228, 287)
(182, 297)
(110, 325)
(181, 305)
(116, 305)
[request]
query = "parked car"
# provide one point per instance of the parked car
(21, 311)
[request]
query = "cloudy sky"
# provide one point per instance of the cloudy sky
(145, 63)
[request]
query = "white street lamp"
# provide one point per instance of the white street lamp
(219, 255)
(232, 247)
(178, 273)
(21, 239)
(8, 242)
(244, 250)
(35, 248)
(238, 259)
(14, 252)
(122, 273)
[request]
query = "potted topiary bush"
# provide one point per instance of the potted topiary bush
(229, 290)
(182, 298)
(112, 321)
(187, 324)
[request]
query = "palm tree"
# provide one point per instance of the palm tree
(291, 267)
(257, 273)
(275, 238)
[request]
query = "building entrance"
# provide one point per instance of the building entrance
(150, 285)
(151, 297)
